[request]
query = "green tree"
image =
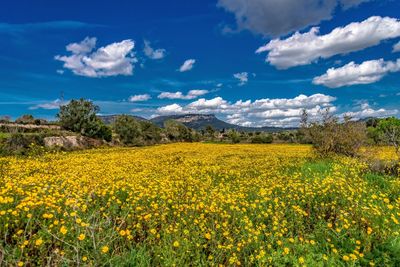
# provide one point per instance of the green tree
(389, 130)
(176, 131)
(262, 138)
(234, 136)
(128, 129)
(80, 116)
(151, 133)
(210, 131)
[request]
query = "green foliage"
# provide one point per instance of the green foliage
(21, 144)
(262, 138)
(177, 131)
(128, 129)
(234, 136)
(150, 132)
(389, 130)
(80, 116)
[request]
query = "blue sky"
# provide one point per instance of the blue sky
(244, 60)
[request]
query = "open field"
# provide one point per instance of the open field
(197, 204)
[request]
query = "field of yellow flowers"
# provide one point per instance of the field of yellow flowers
(197, 205)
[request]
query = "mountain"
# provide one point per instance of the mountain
(200, 121)
(110, 119)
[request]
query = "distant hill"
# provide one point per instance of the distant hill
(200, 121)
(110, 119)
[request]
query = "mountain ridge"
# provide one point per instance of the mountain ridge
(197, 122)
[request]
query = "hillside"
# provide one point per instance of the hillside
(110, 119)
(200, 121)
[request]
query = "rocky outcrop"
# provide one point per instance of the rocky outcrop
(71, 142)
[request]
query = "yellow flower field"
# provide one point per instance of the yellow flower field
(198, 205)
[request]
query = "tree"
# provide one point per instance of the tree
(329, 136)
(234, 136)
(151, 133)
(210, 131)
(389, 129)
(128, 129)
(262, 138)
(80, 116)
(177, 131)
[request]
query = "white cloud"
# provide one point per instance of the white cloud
(305, 48)
(272, 17)
(139, 98)
(396, 48)
(170, 109)
(50, 105)
(261, 112)
(243, 77)
(352, 73)
(153, 53)
(60, 71)
(192, 94)
(111, 60)
(365, 111)
(187, 65)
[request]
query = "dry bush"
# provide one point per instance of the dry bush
(330, 136)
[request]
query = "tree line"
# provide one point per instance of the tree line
(329, 135)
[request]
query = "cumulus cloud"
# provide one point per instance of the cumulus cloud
(261, 112)
(153, 53)
(396, 47)
(243, 77)
(192, 94)
(271, 17)
(352, 73)
(139, 98)
(170, 109)
(305, 48)
(187, 65)
(365, 111)
(50, 105)
(111, 60)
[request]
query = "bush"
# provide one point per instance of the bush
(329, 136)
(389, 130)
(20, 144)
(150, 132)
(234, 136)
(176, 131)
(80, 116)
(128, 129)
(262, 139)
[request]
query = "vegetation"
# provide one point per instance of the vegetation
(128, 129)
(195, 205)
(329, 136)
(389, 130)
(80, 116)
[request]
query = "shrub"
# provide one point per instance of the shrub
(80, 116)
(329, 136)
(176, 131)
(262, 138)
(128, 129)
(234, 136)
(389, 130)
(150, 132)
(20, 144)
